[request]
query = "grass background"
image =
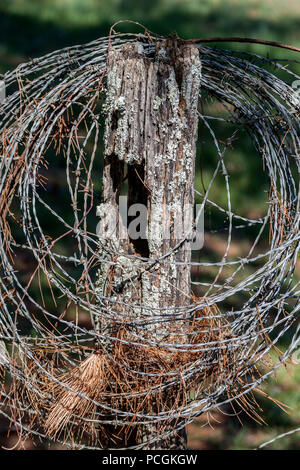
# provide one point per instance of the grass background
(31, 28)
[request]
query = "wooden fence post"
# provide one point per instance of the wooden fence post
(150, 140)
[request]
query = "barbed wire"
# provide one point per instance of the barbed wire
(72, 383)
(280, 436)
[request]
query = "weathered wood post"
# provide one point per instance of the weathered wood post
(150, 139)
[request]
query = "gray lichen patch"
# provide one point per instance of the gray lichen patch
(157, 101)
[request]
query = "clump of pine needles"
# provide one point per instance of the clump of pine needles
(136, 378)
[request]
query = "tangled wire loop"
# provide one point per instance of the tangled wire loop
(70, 381)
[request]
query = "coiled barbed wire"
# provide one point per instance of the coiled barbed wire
(52, 116)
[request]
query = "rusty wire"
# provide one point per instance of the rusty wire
(53, 105)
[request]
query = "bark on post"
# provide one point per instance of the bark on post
(150, 137)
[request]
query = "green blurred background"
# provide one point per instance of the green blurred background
(31, 28)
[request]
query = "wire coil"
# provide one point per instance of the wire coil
(52, 116)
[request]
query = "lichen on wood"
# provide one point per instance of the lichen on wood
(151, 129)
